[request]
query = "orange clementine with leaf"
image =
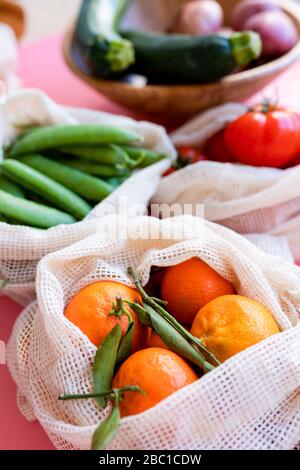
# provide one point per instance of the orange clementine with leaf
(232, 323)
(189, 286)
(158, 372)
(90, 310)
(154, 341)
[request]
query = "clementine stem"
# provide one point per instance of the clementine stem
(119, 310)
(109, 394)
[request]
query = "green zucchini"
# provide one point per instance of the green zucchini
(175, 58)
(97, 40)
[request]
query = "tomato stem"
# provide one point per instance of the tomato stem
(265, 107)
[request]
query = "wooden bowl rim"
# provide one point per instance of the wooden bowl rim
(16, 11)
(259, 72)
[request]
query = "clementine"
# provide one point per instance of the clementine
(89, 310)
(189, 286)
(232, 323)
(158, 372)
(153, 286)
(154, 341)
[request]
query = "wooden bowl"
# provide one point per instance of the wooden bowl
(187, 100)
(13, 15)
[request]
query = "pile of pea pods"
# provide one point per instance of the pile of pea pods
(57, 174)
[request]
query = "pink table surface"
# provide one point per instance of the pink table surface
(42, 66)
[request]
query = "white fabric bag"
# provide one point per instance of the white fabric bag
(250, 402)
(21, 247)
(243, 198)
(8, 60)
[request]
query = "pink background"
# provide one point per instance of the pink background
(42, 66)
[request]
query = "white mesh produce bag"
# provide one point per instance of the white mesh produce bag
(250, 402)
(8, 59)
(243, 198)
(21, 247)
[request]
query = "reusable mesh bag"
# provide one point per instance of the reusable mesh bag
(243, 198)
(252, 401)
(21, 247)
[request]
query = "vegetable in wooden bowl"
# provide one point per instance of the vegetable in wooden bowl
(180, 100)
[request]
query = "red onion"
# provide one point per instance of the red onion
(278, 32)
(247, 8)
(199, 17)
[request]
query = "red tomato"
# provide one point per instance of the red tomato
(216, 148)
(186, 156)
(294, 162)
(170, 171)
(190, 154)
(267, 136)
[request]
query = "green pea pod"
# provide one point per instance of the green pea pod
(29, 213)
(175, 341)
(26, 130)
(45, 187)
(10, 221)
(10, 187)
(125, 349)
(107, 430)
(45, 138)
(96, 169)
(104, 363)
(142, 313)
(146, 157)
(108, 155)
(116, 182)
(33, 197)
(4, 283)
(87, 186)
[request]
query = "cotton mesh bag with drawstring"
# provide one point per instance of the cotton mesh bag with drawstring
(251, 401)
(243, 198)
(22, 247)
